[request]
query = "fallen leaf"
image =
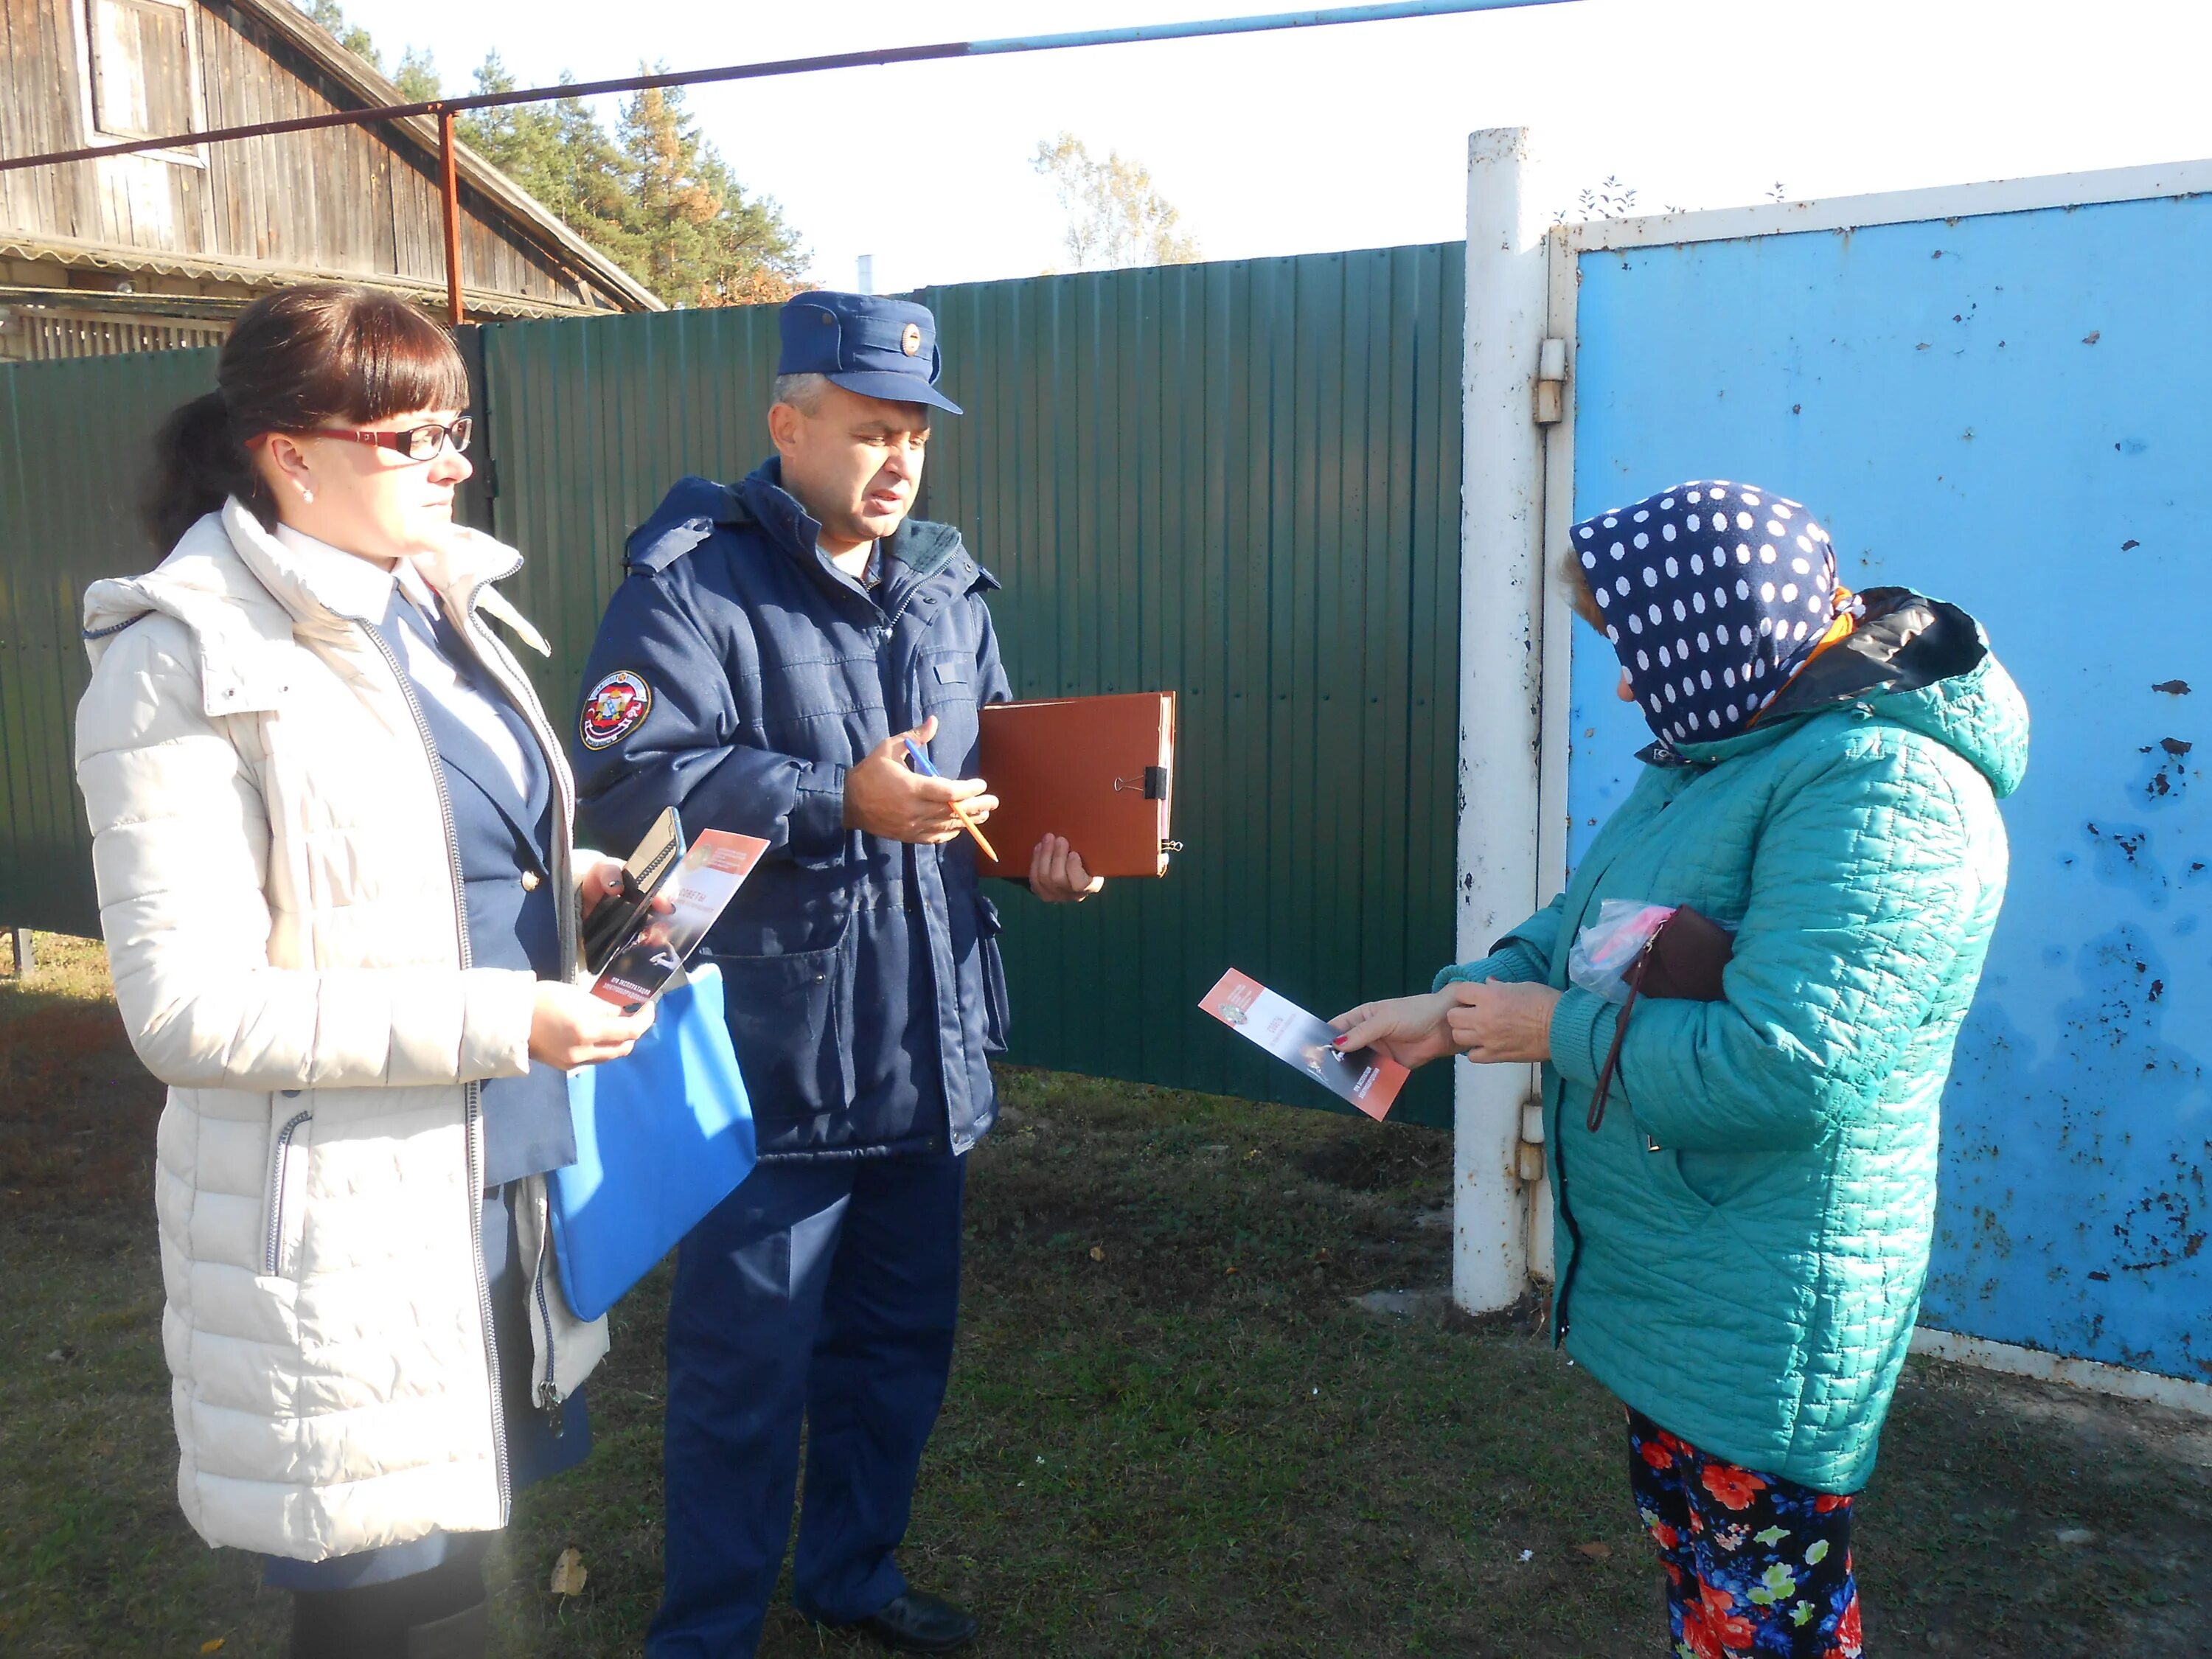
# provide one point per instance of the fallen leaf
(215, 1646)
(568, 1574)
(1595, 1551)
(1097, 1253)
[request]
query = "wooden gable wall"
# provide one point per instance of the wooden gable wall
(343, 200)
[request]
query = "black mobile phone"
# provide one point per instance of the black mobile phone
(611, 925)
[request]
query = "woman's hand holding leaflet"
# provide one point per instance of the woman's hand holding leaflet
(1412, 1031)
(571, 1027)
(1490, 1024)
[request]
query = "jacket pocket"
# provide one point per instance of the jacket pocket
(787, 1027)
(948, 691)
(284, 1188)
(998, 1010)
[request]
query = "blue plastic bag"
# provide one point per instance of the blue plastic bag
(663, 1135)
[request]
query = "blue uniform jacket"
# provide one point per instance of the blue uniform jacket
(738, 674)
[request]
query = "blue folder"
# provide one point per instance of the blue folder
(663, 1135)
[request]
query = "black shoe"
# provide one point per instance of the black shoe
(917, 1623)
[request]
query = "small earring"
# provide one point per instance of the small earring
(306, 495)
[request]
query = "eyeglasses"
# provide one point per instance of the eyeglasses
(416, 443)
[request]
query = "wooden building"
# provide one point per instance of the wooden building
(132, 252)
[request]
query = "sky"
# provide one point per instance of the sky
(1356, 136)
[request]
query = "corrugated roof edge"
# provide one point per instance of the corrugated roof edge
(254, 274)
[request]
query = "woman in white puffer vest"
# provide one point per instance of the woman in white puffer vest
(331, 831)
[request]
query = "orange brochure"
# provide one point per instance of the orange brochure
(1300, 1041)
(689, 899)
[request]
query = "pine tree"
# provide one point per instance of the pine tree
(656, 198)
(559, 154)
(417, 77)
(698, 239)
(354, 38)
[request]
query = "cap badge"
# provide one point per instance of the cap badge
(911, 341)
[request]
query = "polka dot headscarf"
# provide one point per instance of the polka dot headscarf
(1713, 594)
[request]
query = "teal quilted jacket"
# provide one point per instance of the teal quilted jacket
(1740, 1244)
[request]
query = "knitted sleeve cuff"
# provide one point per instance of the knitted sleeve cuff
(1513, 964)
(1582, 1027)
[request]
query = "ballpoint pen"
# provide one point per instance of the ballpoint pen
(921, 761)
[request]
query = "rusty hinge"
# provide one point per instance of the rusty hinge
(1551, 382)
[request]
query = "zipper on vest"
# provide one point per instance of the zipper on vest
(549, 1392)
(473, 1127)
(272, 1262)
(1574, 1236)
(472, 1109)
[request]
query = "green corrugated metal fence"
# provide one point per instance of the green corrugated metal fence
(1237, 481)
(73, 443)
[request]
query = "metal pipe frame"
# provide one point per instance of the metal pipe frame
(445, 109)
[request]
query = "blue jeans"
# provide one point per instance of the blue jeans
(822, 1292)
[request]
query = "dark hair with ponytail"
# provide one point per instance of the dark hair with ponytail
(321, 355)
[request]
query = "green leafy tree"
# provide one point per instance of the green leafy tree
(1116, 216)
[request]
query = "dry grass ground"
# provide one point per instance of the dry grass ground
(1169, 1432)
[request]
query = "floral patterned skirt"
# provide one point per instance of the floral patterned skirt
(1756, 1564)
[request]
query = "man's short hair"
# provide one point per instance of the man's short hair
(802, 391)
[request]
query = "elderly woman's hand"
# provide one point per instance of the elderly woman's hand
(1502, 1023)
(1411, 1031)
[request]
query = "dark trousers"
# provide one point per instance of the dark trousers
(818, 1293)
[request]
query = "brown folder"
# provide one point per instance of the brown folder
(1099, 770)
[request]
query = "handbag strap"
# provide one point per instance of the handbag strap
(1619, 1035)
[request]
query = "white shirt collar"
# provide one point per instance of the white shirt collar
(357, 578)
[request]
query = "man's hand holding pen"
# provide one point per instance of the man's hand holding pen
(886, 797)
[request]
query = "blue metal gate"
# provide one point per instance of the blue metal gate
(2010, 410)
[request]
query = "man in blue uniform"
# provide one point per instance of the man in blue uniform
(775, 642)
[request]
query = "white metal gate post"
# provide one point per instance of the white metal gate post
(1501, 681)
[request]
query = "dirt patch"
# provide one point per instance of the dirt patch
(1370, 1157)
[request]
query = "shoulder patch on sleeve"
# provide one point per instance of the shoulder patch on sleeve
(614, 708)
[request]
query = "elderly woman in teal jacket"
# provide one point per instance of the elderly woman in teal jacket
(1742, 1236)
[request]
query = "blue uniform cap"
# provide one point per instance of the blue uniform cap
(877, 347)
